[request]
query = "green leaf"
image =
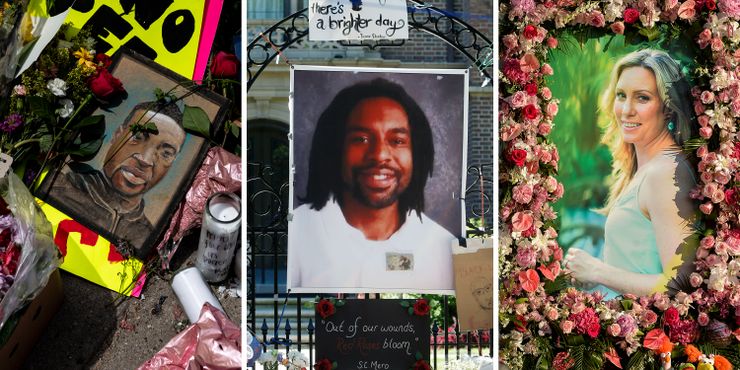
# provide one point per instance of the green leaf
(626, 304)
(339, 303)
(234, 129)
(418, 356)
(41, 108)
(651, 33)
(196, 120)
(334, 365)
(405, 304)
(637, 361)
(90, 121)
(411, 310)
(87, 149)
(45, 143)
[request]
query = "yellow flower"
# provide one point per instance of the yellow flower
(84, 58)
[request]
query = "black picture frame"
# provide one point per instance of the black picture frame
(137, 73)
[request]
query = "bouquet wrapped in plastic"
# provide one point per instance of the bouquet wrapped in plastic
(28, 255)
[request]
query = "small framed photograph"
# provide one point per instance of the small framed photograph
(128, 191)
(378, 157)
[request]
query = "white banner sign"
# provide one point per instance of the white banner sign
(357, 19)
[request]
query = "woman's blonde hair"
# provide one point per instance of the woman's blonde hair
(674, 93)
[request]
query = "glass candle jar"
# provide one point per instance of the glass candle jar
(219, 235)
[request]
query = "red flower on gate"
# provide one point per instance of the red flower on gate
(421, 307)
(325, 308)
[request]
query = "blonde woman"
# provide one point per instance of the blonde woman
(648, 232)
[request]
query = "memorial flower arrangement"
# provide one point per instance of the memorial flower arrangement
(48, 112)
(293, 360)
(11, 239)
(543, 323)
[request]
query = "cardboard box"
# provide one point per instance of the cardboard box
(32, 324)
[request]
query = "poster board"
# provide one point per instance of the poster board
(357, 20)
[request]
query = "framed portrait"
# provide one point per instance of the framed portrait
(129, 189)
(378, 157)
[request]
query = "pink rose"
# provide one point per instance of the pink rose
(596, 19)
(718, 196)
(705, 35)
(522, 221)
(707, 177)
(698, 107)
(703, 319)
(701, 253)
(703, 120)
(551, 184)
(735, 107)
(722, 178)
(614, 330)
(707, 97)
(526, 257)
(523, 193)
(709, 189)
(552, 314)
(518, 100)
(671, 316)
(717, 44)
(706, 208)
(578, 307)
(552, 42)
(544, 129)
(559, 191)
(551, 109)
(707, 242)
(567, 326)
(686, 10)
(617, 28)
(705, 132)
(529, 63)
(695, 280)
(547, 70)
(546, 93)
(649, 318)
(511, 42)
(702, 151)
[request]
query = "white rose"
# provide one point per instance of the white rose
(67, 108)
(57, 87)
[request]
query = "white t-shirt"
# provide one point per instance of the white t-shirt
(326, 254)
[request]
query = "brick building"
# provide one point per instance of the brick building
(268, 115)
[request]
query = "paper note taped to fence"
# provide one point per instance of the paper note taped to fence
(357, 19)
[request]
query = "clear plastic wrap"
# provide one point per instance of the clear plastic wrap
(39, 255)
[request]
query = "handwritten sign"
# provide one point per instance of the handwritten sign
(373, 335)
(473, 267)
(166, 31)
(357, 19)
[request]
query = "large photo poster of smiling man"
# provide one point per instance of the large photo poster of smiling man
(378, 158)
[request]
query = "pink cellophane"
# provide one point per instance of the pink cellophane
(212, 343)
(221, 171)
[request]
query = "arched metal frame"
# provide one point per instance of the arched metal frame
(266, 47)
(424, 17)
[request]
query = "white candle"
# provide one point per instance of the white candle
(219, 235)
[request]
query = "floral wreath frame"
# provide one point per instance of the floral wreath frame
(542, 323)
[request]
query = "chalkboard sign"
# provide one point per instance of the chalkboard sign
(373, 334)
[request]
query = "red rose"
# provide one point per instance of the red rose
(593, 329)
(104, 85)
(421, 365)
(731, 197)
(324, 364)
(711, 4)
(518, 156)
(421, 307)
(325, 308)
(224, 65)
(103, 60)
(631, 15)
(531, 111)
(530, 32)
(671, 316)
(531, 89)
